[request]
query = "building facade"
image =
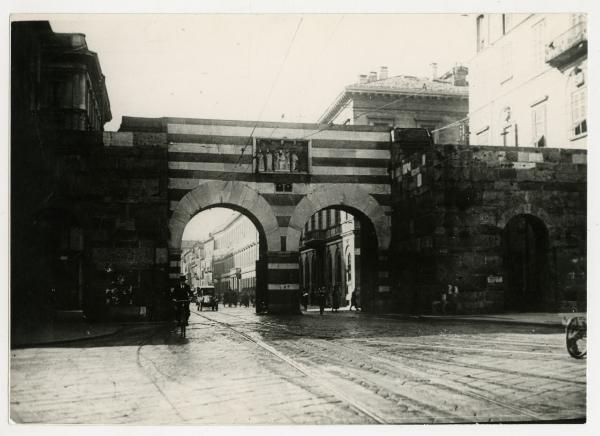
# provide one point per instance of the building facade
(234, 260)
(529, 81)
(192, 263)
(330, 255)
(59, 104)
(439, 104)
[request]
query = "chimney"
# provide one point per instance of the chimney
(362, 79)
(434, 74)
(372, 76)
(383, 74)
(460, 75)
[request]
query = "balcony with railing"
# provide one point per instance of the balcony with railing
(314, 237)
(568, 46)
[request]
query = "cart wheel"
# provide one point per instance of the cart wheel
(576, 337)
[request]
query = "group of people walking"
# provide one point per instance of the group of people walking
(323, 296)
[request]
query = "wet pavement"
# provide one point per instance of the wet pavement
(235, 367)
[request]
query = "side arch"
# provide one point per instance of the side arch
(235, 195)
(351, 197)
(524, 209)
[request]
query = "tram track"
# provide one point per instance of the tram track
(429, 363)
(433, 381)
(354, 404)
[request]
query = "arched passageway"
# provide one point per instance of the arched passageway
(525, 242)
(325, 236)
(219, 252)
(241, 198)
(59, 262)
(342, 236)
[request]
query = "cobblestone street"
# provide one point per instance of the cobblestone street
(347, 368)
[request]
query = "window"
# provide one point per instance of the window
(539, 44)
(283, 187)
(538, 125)
(506, 23)
(54, 90)
(480, 33)
(579, 112)
(283, 243)
(349, 267)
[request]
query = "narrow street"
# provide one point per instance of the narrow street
(235, 367)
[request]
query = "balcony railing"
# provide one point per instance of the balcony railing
(568, 46)
(314, 236)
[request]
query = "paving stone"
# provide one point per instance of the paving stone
(340, 368)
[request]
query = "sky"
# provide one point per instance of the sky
(262, 67)
(265, 67)
(198, 228)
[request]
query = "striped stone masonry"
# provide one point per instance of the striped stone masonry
(212, 163)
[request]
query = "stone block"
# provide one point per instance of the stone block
(149, 139)
(551, 155)
(536, 157)
(507, 173)
(117, 139)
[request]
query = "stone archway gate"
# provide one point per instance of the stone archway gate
(310, 167)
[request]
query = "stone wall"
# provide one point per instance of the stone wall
(451, 207)
(124, 191)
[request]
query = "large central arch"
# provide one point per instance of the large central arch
(238, 196)
(235, 195)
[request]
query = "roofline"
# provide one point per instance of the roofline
(140, 124)
(342, 98)
(334, 105)
(420, 91)
(228, 224)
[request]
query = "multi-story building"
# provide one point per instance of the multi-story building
(439, 104)
(234, 259)
(330, 255)
(57, 91)
(529, 81)
(206, 262)
(63, 79)
(192, 262)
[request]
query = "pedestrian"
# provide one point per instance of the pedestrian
(335, 298)
(322, 299)
(305, 300)
(452, 299)
(353, 302)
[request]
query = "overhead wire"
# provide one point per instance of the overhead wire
(355, 117)
(232, 176)
(271, 90)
